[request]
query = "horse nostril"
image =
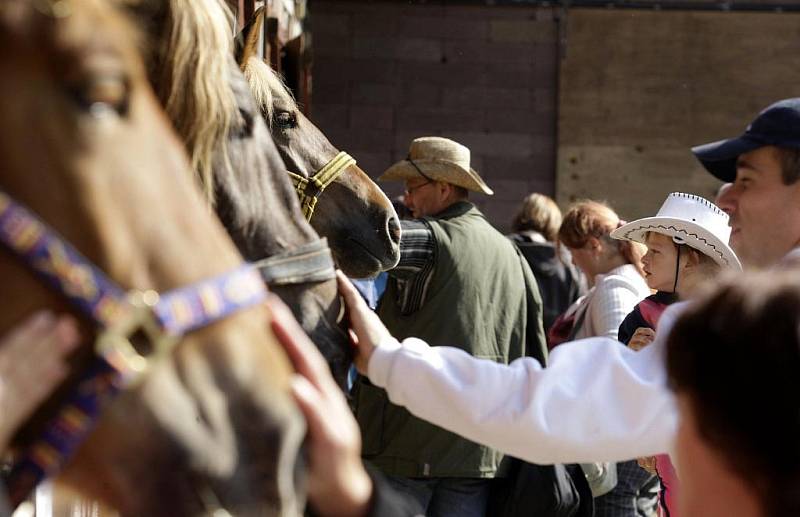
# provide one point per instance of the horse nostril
(393, 229)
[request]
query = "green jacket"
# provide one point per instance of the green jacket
(482, 298)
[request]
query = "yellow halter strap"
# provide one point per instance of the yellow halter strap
(309, 189)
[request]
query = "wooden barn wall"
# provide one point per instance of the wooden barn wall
(385, 72)
(639, 88)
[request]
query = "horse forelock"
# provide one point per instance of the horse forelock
(255, 74)
(266, 86)
(194, 85)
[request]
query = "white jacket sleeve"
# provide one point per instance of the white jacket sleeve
(596, 401)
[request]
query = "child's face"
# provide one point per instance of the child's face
(659, 262)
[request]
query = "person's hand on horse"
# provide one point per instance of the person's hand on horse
(32, 363)
(641, 338)
(338, 484)
(366, 329)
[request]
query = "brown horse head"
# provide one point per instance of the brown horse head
(353, 212)
(86, 147)
(192, 69)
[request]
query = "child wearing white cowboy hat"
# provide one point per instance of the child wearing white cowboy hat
(687, 244)
(693, 224)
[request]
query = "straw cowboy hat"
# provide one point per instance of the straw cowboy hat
(437, 159)
(689, 220)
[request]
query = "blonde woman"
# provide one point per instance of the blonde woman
(535, 230)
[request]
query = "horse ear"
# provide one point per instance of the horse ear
(247, 41)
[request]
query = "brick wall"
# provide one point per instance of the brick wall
(386, 72)
(632, 91)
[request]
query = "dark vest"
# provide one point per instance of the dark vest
(482, 298)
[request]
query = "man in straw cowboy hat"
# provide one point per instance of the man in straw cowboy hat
(459, 281)
(596, 400)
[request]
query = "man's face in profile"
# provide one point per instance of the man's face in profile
(765, 213)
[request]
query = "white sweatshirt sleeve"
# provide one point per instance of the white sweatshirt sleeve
(614, 299)
(596, 401)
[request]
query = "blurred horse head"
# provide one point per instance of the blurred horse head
(86, 146)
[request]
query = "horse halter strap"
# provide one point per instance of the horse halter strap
(121, 317)
(309, 263)
(309, 189)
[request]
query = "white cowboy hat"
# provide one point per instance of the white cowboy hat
(437, 159)
(690, 220)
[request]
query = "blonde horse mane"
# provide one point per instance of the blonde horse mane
(265, 85)
(194, 86)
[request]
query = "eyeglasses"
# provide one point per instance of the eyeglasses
(411, 190)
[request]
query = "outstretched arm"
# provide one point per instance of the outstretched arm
(597, 400)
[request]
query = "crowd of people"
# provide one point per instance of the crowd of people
(598, 400)
(652, 353)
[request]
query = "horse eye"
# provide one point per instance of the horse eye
(104, 95)
(285, 120)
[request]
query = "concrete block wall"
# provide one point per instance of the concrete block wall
(639, 88)
(385, 72)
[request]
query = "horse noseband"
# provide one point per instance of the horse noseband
(309, 189)
(309, 263)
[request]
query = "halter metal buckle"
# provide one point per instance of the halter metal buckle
(115, 343)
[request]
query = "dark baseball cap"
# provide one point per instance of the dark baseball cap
(778, 125)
